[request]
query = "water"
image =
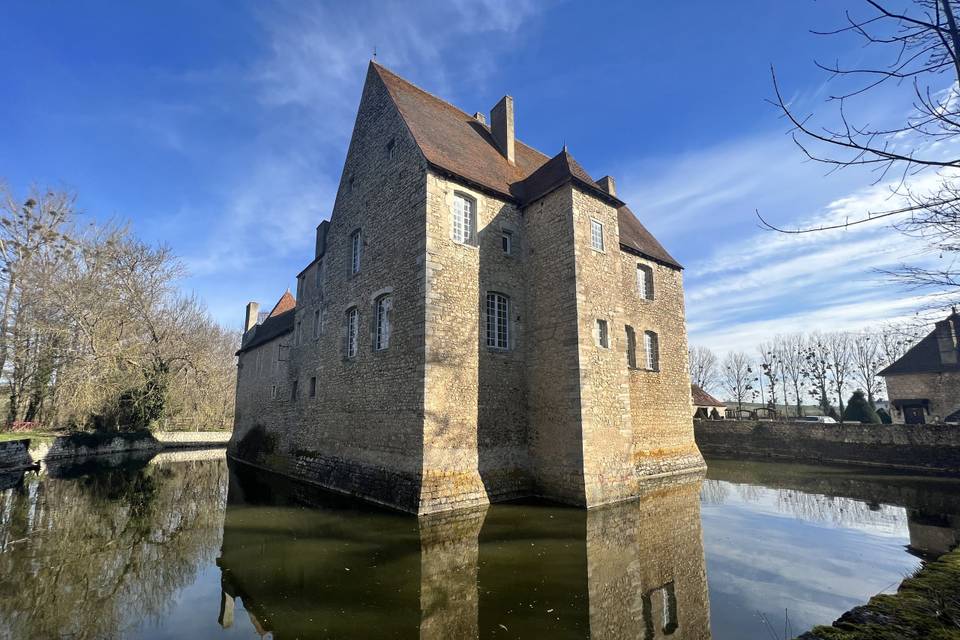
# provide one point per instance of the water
(175, 547)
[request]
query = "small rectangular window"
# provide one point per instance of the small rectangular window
(319, 275)
(313, 387)
(293, 390)
(382, 334)
(596, 234)
(645, 282)
(506, 242)
(299, 331)
(316, 323)
(603, 336)
(498, 321)
(651, 348)
(464, 219)
(353, 324)
(356, 247)
(631, 347)
(273, 392)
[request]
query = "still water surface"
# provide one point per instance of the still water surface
(187, 546)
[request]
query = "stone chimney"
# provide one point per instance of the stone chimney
(501, 126)
(946, 332)
(253, 310)
(321, 246)
(606, 183)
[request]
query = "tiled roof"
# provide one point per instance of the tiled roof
(924, 357)
(271, 328)
(284, 304)
(703, 399)
(453, 141)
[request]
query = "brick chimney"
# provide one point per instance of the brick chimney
(946, 332)
(253, 310)
(501, 126)
(606, 183)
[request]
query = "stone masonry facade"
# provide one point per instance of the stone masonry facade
(388, 380)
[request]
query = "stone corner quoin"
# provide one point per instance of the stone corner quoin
(480, 322)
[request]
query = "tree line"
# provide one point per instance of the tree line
(95, 333)
(797, 369)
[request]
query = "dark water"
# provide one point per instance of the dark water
(176, 547)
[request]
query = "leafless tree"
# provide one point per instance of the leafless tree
(704, 368)
(738, 377)
(839, 363)
(769, 370)
(791, 350)
(817, 369)
(921, 41)
(867, 361)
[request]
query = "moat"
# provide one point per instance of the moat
(188, 545)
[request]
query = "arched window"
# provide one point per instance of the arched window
(352, 331)
(498, 321)
(464, 219)
(651, 348)
(645, 281)
(384, 322)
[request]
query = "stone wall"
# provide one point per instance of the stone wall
(362, 432)
(918, 447)
(14, 454)
(941, 389)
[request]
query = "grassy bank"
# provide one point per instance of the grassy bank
(34, 436)
(926, 607)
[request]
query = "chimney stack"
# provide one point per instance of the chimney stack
(253, 310)
(947, 341)
(321, 246)
(606, 183)
(501, 126)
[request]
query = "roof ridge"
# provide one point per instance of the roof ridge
(380, 68)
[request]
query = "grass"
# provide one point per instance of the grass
(33, 435)
(926, 607)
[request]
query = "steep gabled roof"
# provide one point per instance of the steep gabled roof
(278, 323)
(284, 304)
(457, 143)
(924, 357)
(703, 399)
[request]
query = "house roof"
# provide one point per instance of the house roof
(284, 304)
(703, 399)
(924, 357)
(455, 142)
(278, 323)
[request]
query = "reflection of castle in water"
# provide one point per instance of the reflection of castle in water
(631, 570)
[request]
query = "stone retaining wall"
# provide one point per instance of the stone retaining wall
(192, 438)
(916, 447)
(14, 454)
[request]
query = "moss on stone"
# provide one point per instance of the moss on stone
(926, 607)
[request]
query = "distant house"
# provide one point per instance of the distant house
(924, 384)
(705, 406)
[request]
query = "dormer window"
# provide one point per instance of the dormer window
(464, 219)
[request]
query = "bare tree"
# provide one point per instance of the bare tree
(769, 370)
(839, 363)
(704, 368)
(792, 352)
(922, 42)
(867, 360)
(817, 369)
(737, 377)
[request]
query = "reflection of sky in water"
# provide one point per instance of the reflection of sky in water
(769, 551)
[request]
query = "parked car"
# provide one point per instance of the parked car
(820, 419)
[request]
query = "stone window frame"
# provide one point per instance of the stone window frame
(273, 391)
(507, 242)
(457, 196)
(356, 251)
(651, 351)
(351, 332)
(498, 333)
(392, 149)
(313, 387)
(601, 333)
(317, 322)
(596, 234)
(631, 334)
(379, 299)
(645, 286)
(294, 390)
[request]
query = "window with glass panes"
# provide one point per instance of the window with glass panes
(464, 219)
(498, 321)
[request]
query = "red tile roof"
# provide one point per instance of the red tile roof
(703, 399)
(284, 304)
(453, 141)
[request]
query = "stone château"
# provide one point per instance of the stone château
(480, 322)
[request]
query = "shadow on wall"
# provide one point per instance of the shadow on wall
(630, 570)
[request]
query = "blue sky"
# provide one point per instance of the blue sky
(220, 128)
